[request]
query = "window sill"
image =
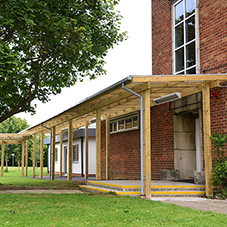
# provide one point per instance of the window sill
(125, 130)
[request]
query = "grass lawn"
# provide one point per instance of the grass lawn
(98, 210)
(13, 178)
(92, 209)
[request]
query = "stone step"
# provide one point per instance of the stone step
(105, 190)
(156, 190)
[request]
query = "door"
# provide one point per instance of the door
(65, 160)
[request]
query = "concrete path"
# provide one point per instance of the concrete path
(214, 205)
(55, 191)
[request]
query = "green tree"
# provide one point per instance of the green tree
(46, 45)
(13, 125)
(219, 175)
(37, 150)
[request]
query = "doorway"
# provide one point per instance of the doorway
(65, 160)
(186, 144)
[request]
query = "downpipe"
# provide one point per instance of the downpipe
(141, 135)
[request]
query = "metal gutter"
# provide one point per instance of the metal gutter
(125, 80)
(141, 135)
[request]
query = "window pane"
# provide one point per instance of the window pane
(191, 71)
(190, 7)
(190, 54)
(128, 123)
(179, 35)
(121, 125)
(179, 12)
(179, 59)
(56, 154)
(135, 121)
(115, 126)
(111, 127)
(190, 29)
(76, 153)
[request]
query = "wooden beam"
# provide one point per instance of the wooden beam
(98, 145)
(147, 141)
(70, 150)
(207, 140)
(11, 141)
(22, 159)
(61, 145)
(26, 168)
(108, 147)
(86, 151)
(41, 155)
(175, 78)
(34, 152)
(2, 159)
(53, 153)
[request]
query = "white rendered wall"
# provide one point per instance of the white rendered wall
(77, 165)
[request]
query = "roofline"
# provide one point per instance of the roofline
(126, 79)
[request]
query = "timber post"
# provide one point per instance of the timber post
(86, 151)
(61, 144)
(53, 153)
(108, 147)
(70, 150)
(34, 153)
(147, 142)
(22, 159)
(41, 156)
(26, 164)
(2, 159)
(207, 140)
(98, 145)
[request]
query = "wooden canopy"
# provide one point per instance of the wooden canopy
(116, 101)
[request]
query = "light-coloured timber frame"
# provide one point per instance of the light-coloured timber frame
(10, 138)
(114, 101)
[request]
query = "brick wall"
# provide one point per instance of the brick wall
(124, 147)
(162, 149)
(161, 37)
(213, 35)
(124, 154)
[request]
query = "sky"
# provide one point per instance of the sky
(130, 57)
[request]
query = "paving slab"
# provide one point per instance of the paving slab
(214, 205)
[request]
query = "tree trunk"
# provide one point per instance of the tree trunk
(18, 163)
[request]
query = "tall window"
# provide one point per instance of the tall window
(184, 37)
(76, 153)
(56, 154)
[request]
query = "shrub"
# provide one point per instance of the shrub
(219, 176)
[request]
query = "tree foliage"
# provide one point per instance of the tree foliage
(46, 45)
(13, 125)
(219, 176)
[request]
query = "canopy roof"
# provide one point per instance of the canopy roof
(116, 101)
(11, 138)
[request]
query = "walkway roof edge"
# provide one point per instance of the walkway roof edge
(125, 80)
(216, 79)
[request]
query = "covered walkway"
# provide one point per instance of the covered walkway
(126, 96)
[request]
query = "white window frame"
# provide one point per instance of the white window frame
(124, 119)
(56, 154)
(78, 153)
(196, 14)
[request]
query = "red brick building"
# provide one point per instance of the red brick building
(188, 37)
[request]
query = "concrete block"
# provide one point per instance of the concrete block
(170, 174)
(199, 177)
